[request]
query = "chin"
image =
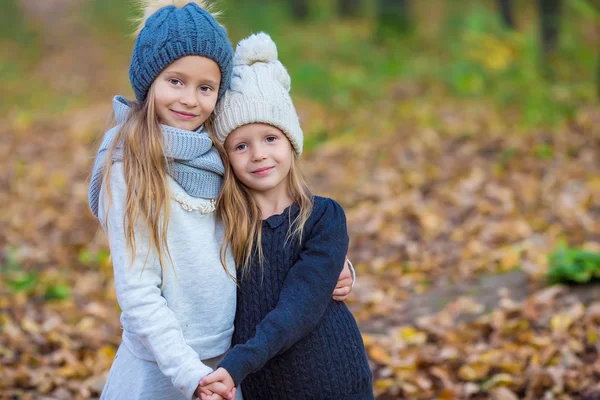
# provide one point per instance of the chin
(186, 127)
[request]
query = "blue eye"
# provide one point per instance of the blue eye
(205, 88)
(241, 147)
(271, 139)
(175, 82)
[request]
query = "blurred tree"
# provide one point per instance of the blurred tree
(393, 17)
(346, 8)
(299, 9)
(349, 8)
(549, 11)
(507, 13)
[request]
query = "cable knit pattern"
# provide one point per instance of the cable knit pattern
(195, 162)
(292, 340)
(172, 33)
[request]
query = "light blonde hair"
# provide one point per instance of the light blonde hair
(145, 166)
(242, 219)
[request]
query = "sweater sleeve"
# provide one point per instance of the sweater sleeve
(138, 289)
(305, 294)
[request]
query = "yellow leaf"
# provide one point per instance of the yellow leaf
(379, 355)
(561, 322)
(510, 260)
(384, 384)
(498, 380)
(447, 394)
(367, 339)
(592, 335)
(503, 393)
(68, 371)
(473, 372)
(107, 351)
(413, 336)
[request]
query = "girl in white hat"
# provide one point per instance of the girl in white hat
(291, 340)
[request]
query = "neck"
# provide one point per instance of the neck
(272, 202)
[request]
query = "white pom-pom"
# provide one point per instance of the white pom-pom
(255, 48)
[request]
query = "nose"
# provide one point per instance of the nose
(189, 98)
(258, 153)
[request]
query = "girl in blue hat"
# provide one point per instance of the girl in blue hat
(153, 188)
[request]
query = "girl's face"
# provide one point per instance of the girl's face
(261, 156)
(185, 93)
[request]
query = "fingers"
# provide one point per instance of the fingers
(344, 282)
(219, 388)
(214, 396)
(342, 291)
(345, 274)
(210, 378)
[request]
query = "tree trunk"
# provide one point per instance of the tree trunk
(299, 9)
(549, 24)
(349, 8)
(393, 16)
(506, 9)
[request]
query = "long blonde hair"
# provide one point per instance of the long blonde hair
(145, 166)
(242, 219)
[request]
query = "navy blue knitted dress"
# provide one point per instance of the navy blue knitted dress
(291, 339)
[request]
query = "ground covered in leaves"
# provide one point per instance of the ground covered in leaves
(452, 207)
(428, 209)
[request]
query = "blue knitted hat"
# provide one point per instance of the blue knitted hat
(171, 33)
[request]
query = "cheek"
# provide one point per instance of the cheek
(210, 103)
(237, 163)
(162, 96)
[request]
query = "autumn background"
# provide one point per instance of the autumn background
(467, 159)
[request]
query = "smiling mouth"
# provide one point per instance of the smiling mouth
(262, 171)
(184, 115)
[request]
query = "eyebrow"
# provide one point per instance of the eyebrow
(272, 130)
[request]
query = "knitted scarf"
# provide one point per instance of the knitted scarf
(195, 162)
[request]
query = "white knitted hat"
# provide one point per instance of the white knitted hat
(259, 92)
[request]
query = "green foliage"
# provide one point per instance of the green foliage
(21, 281)
(486, 60)
(31, 282)
(88, 257)
(21, 50)
(57, 292)
(569, 265)
(544, 152)
(313, 141)
(110, 17)
(14, 27)
(15, 278)
(342, 64)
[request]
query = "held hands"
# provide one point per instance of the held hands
(344, 284)
(218, 385)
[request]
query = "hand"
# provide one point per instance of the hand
(344, 284)
(217, 385)
(209, 392)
